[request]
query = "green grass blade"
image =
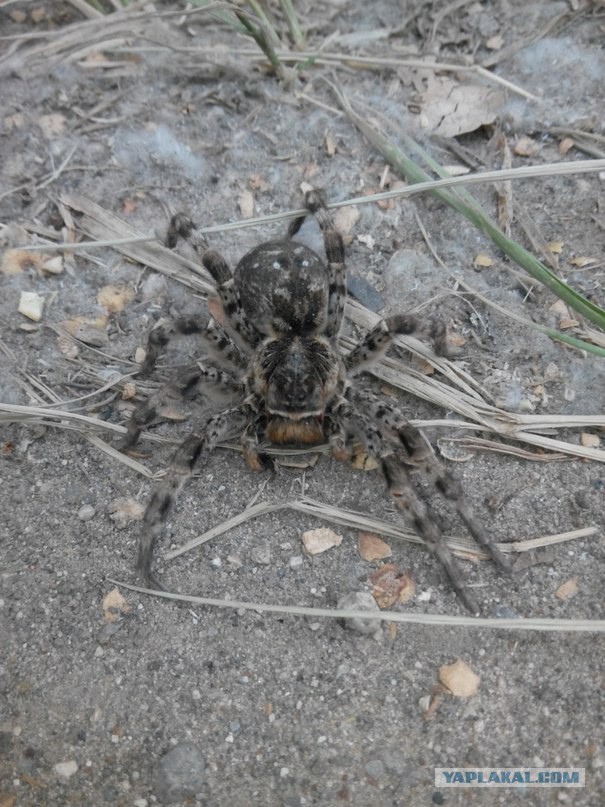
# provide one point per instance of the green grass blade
(464, 203)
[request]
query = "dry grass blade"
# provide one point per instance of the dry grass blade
(466, 205)
(101, 223)
(119, 456)
(463, 547)
(250, 512)
(433, 620)
(124, 234)
(462, 395)
(481, 444)
(63, 419)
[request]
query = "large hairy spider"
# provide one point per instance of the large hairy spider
(293, 386)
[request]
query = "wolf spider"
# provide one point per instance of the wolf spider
(285, 307)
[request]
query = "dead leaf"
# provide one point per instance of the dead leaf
(114, 298)
(589, 440)
(115, 605)
(560, 309)
(15, 261)
(52, 125)
(582, 260)
(450, 108)
(371, 547)
(568, 322)
(555, 247)
(90, 331)
(565, 145)
(482, 260)
(245, 202)
(30, 305)
(390, 586)
(122, 511)
(320, 540)
(459, 679)
(526, 147)
(568, 589)
(330, 146)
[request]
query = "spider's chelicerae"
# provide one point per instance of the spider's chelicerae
(293, 386)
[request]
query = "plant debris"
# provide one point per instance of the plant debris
(391, 586)
(371, 547)
(459, 679)
(31, 305)
(568, 589)
(320, 540)
(115, 605)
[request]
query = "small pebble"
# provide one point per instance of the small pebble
(504, 612)
(360, 601)
(180, 774)
(296, 562)
(66, 769)
(363, 291)
(86, 512)
(374, 768)
(261, 555)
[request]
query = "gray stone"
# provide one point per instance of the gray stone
(180, 774)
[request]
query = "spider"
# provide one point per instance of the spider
(293, 386)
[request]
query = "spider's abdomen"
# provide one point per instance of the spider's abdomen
(283, 287)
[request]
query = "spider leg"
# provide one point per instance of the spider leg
(186, 386)
(216, 428)
(418, 452)
(409, 502)
(335, 252)
(376, 341)
(395, 459)
(214, 334)
(181, 225)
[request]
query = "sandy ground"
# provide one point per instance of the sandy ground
(171, 113)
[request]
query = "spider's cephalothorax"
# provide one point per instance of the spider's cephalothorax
(284, 307)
